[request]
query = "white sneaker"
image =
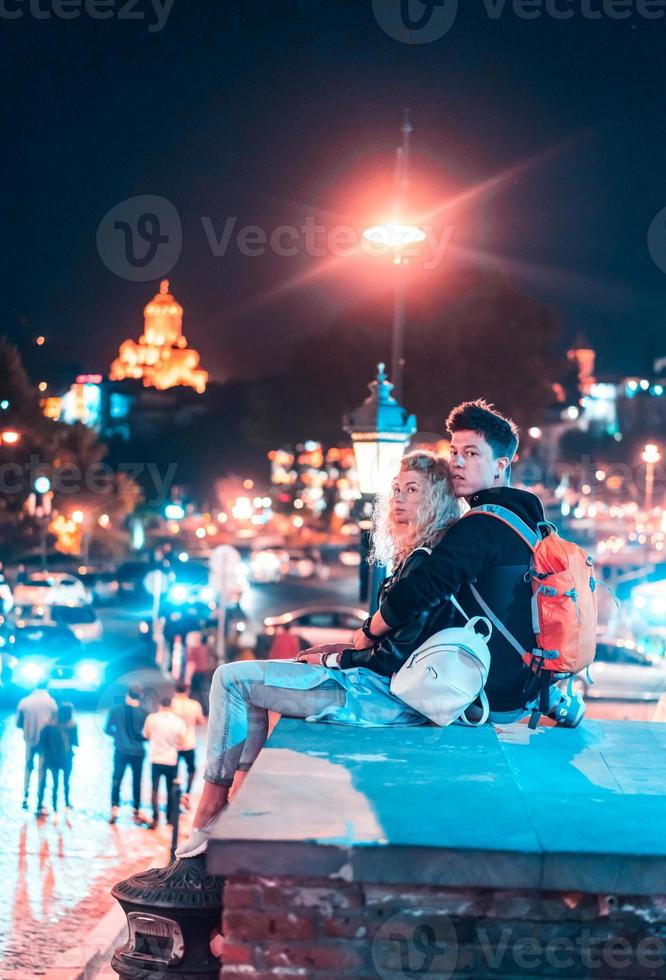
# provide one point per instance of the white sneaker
(196, 843)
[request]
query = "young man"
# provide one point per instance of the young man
(125, 726)
(33, 714)
(166, 733)
(192, 714)
(483, 551)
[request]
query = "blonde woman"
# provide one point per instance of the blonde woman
(330, 683)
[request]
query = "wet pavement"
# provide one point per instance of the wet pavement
(56, 875)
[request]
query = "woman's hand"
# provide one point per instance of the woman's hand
(308, 657)
(314, 655)
(361, 641)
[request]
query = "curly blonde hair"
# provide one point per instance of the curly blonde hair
(438, 508)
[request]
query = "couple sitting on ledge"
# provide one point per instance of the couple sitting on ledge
(434, 555)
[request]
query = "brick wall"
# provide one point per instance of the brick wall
(281, 927)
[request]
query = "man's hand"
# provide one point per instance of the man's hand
(361, 641)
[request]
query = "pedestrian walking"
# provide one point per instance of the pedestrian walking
(200, 667)
(70, 734)
(192, 714)
(33, 713)
(56, 745)
(125, 726)
(166, 733)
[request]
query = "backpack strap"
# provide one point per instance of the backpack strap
(497, 623)
(530, 537)
(485, 712)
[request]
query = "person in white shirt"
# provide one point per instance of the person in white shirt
(33, 714)
(165, 732)
(192, 714)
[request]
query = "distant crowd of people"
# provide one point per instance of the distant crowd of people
(169, 734)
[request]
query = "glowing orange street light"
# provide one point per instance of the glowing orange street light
(394, 237)
(651, 456)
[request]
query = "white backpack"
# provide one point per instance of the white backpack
(447, 673)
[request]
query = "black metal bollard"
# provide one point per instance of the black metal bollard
(171, 914)
(173, 814)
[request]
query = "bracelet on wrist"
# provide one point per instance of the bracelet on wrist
(366, 630)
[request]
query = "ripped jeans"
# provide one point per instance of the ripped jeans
(241, 696)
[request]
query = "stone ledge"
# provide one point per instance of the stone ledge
(562, 810)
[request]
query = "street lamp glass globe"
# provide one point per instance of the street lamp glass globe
(394, 236)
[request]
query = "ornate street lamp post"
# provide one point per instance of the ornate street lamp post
(380, 429)
(396, 237)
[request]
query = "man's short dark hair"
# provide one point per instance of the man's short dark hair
(166, 701)
(478, 416)
(182, 687)
(135, 693)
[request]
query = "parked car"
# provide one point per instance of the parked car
(81, 620)
(132, 579)
(320, 624)
(43, 588)
(622, 671)
(267, 566)
(103, 585)
(306, 563)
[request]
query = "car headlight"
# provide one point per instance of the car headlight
(89, 672)
(31, 671)
(178, 593)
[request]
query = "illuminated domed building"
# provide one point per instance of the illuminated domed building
(161, 358)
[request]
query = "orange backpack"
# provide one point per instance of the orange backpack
(564, 599)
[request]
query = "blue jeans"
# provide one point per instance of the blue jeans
(241, 696)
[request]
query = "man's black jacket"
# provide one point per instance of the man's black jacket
(482, 550)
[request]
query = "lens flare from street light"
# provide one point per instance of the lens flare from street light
(10, 437)
(394, 236)
(651, 453)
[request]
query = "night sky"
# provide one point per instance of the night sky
(272, 111)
